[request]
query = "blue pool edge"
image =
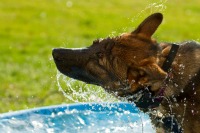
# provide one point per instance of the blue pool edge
(97, 107)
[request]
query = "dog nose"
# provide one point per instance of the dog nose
(56, 54)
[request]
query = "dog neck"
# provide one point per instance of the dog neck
(144, 98)
(167, 66)
(181, 94)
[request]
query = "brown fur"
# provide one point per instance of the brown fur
(123, 64)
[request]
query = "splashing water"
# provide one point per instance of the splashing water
(77, 91)
(81, 92)
(151, 8)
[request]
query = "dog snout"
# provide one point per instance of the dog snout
(56, 54)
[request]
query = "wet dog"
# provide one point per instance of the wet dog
(162, 79)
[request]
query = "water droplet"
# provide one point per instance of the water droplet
(176, 85)
(81, 120)
(60, 113)
(69, 3)
(177, 104)
(192, 111)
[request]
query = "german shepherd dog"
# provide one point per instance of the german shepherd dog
(162, 79)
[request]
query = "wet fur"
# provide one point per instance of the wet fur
(124, 63)
(180, 101)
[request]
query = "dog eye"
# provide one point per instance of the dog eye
(100, 55)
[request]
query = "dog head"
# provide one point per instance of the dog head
(121, 64)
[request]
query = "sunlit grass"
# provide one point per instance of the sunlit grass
(30, 29)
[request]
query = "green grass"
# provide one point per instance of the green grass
(30, 29)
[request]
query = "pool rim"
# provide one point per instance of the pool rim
(92, 106)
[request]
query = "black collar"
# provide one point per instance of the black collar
(170, 57)
(144, 98)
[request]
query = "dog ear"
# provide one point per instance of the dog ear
(149, 25)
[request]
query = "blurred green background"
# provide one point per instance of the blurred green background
(30, 29)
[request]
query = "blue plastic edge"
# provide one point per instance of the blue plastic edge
(48, 110)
